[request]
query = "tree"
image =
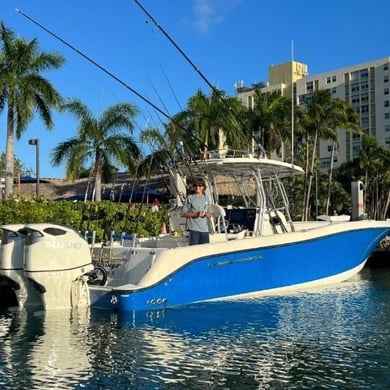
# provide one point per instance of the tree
(24, 91)
(323, 117)
(160, 156)
(374, 161)
(100, 141)
(20, 169)
(268, 120)
(208, 120)
(342, 117)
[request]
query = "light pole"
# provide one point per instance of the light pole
(35, 141)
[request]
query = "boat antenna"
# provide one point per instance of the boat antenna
(110, 74)
(197, 70)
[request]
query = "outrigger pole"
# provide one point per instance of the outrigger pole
(197, 70)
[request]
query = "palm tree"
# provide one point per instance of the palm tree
(99, 141)
(205, 120)
(160, 156)
(323, 116)
(382, 201)
(373, 160)
(24, 91)
(268, 120)
(342, 117)
(315, 123)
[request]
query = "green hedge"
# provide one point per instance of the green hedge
(102, 217)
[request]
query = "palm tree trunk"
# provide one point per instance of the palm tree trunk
(308, 192)
(306, 177)
(98, 187)
(386, 207)
(330, 178)
(9, 155)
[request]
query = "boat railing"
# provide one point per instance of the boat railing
(226, 153)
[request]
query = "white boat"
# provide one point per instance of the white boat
(255, 248)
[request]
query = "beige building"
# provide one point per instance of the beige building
(365, 86)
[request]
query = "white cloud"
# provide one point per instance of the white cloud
(209, 13)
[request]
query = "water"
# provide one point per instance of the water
(333, 338)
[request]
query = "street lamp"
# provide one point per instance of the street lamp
(35, 141)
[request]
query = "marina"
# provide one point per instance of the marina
(325, 338)
(254, 248)
(246, 285)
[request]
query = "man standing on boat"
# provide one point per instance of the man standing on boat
(196, 210)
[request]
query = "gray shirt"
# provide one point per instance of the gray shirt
(196, 203)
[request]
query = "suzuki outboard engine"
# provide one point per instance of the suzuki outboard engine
(15, 286)
(57, 259)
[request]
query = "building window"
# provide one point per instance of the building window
(329, 148)
(328, 80)
(356, 149)
(364, 98)
(334, 90)
(355, 87)
(364, 122)
(364, 73)
(386, 91)
(364, 109)
(387, 140)
(308, 98)
(355, 99)
(386, 79)
(387, 103)
(385, 66)
(354, 76)
(309, 86)
(333, 79)
(387, 128)
(387, 115)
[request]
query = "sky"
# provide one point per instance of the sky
(227, 41)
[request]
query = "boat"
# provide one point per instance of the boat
(255, 247)
(380, 256)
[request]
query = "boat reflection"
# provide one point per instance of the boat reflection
(51, 346)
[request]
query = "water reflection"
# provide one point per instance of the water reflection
(44, 349)
(332, 337)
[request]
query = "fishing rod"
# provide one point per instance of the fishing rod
(171, 89)
(181, 155)
(113, 76)
(158, 95)
(169, 166)
(197, 70)
(110, 74)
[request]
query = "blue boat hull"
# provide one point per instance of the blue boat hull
(251, 272)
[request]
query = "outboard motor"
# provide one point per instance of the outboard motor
(15, 287)
(57, 259)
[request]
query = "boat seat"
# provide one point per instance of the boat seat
(217, 221)
(177, 223)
